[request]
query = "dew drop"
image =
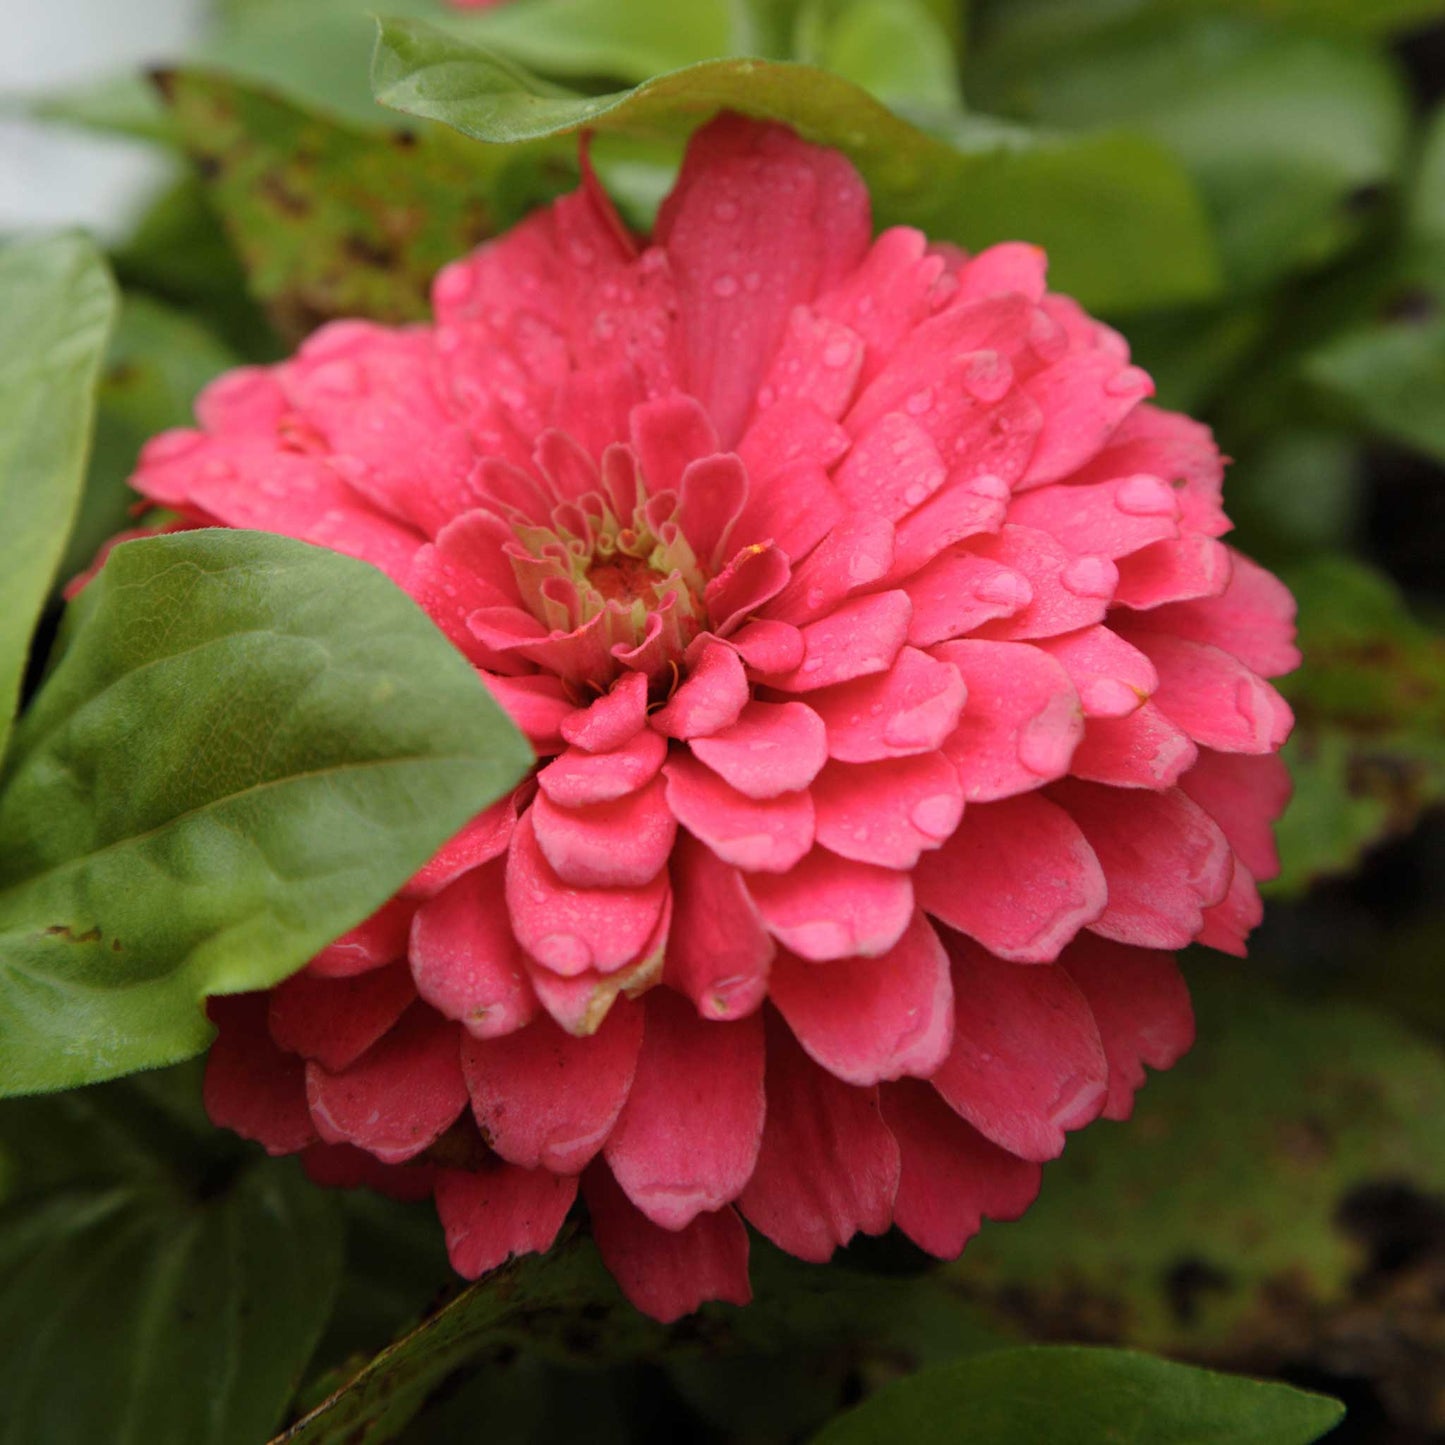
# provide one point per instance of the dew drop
(915, 494)
(725, 286)
(1093, 577)
(919, 403)
(1144, 496)
(837, 355)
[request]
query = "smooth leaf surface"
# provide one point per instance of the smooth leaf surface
(1224, 1212)
(159, 1283)
(246, 746)
(331, 220)
(1070, 1395)
(1123, 225)
(58, 304)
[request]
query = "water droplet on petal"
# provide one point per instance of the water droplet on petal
(837, 355)
(936, 817)
(725, 286)
(1095, 577)
(1145, 496)
(919, 403)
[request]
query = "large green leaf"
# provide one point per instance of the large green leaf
(157, 1285)
(1122, 224)
(1226, 1219)
(246, 746)
(158, 359)
(58, 303)
(1069, 1395)
(1368, 753)
(329, 219)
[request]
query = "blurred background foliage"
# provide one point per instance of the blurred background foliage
(1254, 191)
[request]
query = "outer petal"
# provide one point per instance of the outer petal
(484, 838)
(951, 1175)
(335, 1021)
(1113, 679)
(1228, 924)
(1027, 1062)
(251, 1086)
(1109, 519)
(888, 812)
(546, 1100)
(1244, 795)
(1022, 722)
(830, 907)
(492, 1214)
(580, 779)
(767, 835)
(773, 748)
(828, 1166)
(381, 939)
(868, 1019)
(1164, 857)
(622, 844)
(668, 1273)
(1143, 750)
(400, 1096)
(719, 954)
(1069, 590)
(1141, 1005)
(909, 709)
(688, 1136)
(860, 638)
(465, 958)
(1018, 876)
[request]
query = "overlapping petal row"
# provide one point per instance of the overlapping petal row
(897, 710)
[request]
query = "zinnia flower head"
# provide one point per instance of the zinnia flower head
(896, 705)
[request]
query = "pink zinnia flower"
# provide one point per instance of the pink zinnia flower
(897, 710)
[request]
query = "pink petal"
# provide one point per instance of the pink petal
(1083, 397)
(828, 1166)
(1244, 795)
(569, 929)
(796, 506)
(607, 724)
(714, 490)
(1141, 1004)
(829, 907)
(862, 636)
(773, 748)
(855, 554)
(579, 779)
(252, 1087)
(720, 953)
(911, 708)
(1253, 619)
(484, 838)
(465, 959)
(957, 512)
(580, 1004)
(750, 580)
(1164, 857)
(1214, 697)
(1018, 876)
(335, 1021)
(769, 647)
(1112, 678)
(959, 591)
(544, 1099)
(668, 434)
(1022, 721)
(400, 1096)
(951, 1176)
(889, 293)
(819, 360)
(538, 705)
(757, 222)
(868, 1019)
(608, 845)
(710, 700)
(1194, 566)
(1108, 519)
(1143, 750)
(1027, 1062)
(668, 1273)
(343, 1166)
(892, 468)
(1069, 590)
(688, 1135)
(887, 812)
(380, 940)
(766, 835)
(1228, 924)
(491, 1215)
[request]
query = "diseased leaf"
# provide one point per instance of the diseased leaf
(246, 746)
(158, 1281)
(1123, 226)
(1222, 1220)
(58, 303)
(331, 220)
(1071, 1395)
(1368, 753)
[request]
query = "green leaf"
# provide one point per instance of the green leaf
(168, 1287)
(158, 360)
(1283, 133)
(1219, 1219)
(246, 746)
(58, 302)
(1368, 753)
(1071, 1395)
(331, 220)
(1123, 225)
